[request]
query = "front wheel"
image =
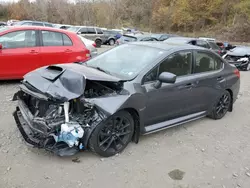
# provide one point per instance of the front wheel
(113, 135)
(222, 106)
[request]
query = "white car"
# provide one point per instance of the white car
(90, 45)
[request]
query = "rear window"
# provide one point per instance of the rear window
(74, 29)
(91, 30)
(99, 31)
(37, 24)
(214, 46)
(48, 25)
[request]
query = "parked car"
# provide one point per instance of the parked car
(89, 32)
(162, 37)
(136, 88)
(25, 48)
(61, 26)
(240, 57)
(132, 38)
(90, 45)
(110, 37)
(10, 22)
(225, 46)
(32, 23)
(2, 24)
(209, 44)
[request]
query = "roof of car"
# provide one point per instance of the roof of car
(166, 46)
(36, 28)
(34, 21)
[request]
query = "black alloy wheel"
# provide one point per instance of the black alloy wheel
(112, 136)
(222, 106)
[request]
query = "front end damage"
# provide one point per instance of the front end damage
(240, 62)
(59, 125)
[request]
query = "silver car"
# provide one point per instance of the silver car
(90, 45)
(89, 32)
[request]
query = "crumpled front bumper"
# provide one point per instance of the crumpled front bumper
(241, 65)
(24, 121)
(23, 118)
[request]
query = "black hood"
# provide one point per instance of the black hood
(65, 81)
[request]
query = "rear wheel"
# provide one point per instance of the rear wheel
(111, 42)
(113, 135)
(222, 106)
(98, 43)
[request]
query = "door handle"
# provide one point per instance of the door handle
(33, 52)
(68, 51)
(187, 86)
(220, 78)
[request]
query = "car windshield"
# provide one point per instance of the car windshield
(125, 61)
(214, 45)
(74, 29)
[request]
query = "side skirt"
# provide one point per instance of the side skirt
(173, 122)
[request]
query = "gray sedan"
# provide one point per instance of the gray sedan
(133, 89)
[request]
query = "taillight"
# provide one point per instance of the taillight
(87, 54)
(237, 73)
(94, 44)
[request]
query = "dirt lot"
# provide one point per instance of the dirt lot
(211, 154)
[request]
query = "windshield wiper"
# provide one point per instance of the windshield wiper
(101, 69)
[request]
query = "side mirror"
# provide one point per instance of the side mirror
(1, 46)
(78, 33)
(165, 77)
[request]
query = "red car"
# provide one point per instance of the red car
(25, 48)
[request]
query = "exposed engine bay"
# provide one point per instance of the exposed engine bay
(61, 127)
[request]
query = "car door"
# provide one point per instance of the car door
(20, 53)
(170, 100)
(91, 33)
(208, 72)
(56, 48)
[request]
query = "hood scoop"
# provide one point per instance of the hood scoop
(52, 72)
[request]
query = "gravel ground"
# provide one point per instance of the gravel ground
(204, 153)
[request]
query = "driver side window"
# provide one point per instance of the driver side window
(179, 63)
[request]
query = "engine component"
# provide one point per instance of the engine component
(70, 133)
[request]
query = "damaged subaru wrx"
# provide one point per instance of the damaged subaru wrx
(133, 89)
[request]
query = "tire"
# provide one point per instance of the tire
(111, 42)
(221, 106)
(248, 67)
(113, 135)
(98, 43)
